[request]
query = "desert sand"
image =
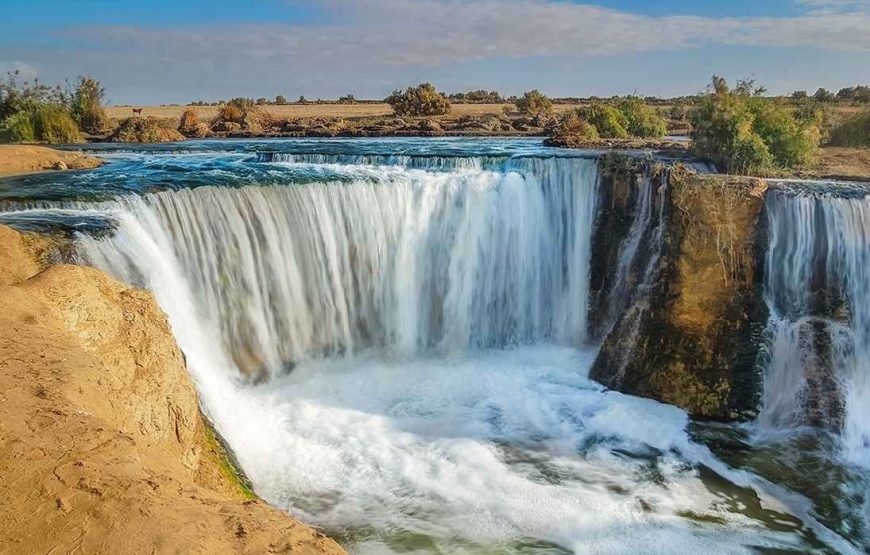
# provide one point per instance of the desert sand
(102, 445)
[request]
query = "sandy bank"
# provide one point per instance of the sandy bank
(102, 445)
(18, 159)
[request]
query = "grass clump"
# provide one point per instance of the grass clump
(534, 103)
(742, 132)
(854, 132)
(422, 100)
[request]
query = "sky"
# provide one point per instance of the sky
(175, 51)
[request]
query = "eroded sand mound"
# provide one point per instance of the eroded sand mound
(16, 159)
(102, 446)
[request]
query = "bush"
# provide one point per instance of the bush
(572, 132)
(824, 95)
(230, 112)
(280, 100)
(53, 124)
(854, 132)
(188, 121)
(422, 100)
(609, 122)
(241, 103)
(40, 123)
(86, 105)
(18, 128)
(146, 130)
(642, 120)
(742, 133)
(534, 103)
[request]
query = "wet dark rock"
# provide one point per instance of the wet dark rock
(690, 338)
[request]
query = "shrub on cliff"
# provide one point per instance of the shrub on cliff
(854, 132)
(742, 132)
(534, 103)
(86, 105)
(642, 121)
(422, 100)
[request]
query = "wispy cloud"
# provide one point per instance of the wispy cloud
(836, 6)
(373, 39)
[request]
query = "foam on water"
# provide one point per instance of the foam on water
(434, 319)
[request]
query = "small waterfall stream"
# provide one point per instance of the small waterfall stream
(818, 289)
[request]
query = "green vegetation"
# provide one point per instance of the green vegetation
(824, 95)
(572, 132)
(858, 94)
(854, 132)
(227, 466)
(422, 100)
(608, 121)
(642, 121)
(280, 100)
(86, 105)
(534, 103)
(478, 97)
(742, 132)
(35, 113)
(146, 130)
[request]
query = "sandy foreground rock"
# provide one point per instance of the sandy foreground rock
(102, 445)
(18, 159)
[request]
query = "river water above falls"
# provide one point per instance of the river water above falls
(394, 338)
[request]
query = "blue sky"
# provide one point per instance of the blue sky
(164, 51)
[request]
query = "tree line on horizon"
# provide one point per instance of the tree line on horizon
(858, 94)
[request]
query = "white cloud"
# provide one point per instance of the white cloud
(376, 42)
(437, 32)
(836, 6)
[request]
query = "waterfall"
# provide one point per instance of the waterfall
(818, 290)
(399, 259)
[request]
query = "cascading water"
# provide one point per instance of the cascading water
(818, 289)
(399, 259)
(417, 324)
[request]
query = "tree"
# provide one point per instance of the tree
(422, 100)
(86, 105)
(534, 103)
(824, 95)
(280, 100)
(799, 95)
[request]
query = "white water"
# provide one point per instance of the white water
(819, 245)
(452, 412)
(400, 259)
